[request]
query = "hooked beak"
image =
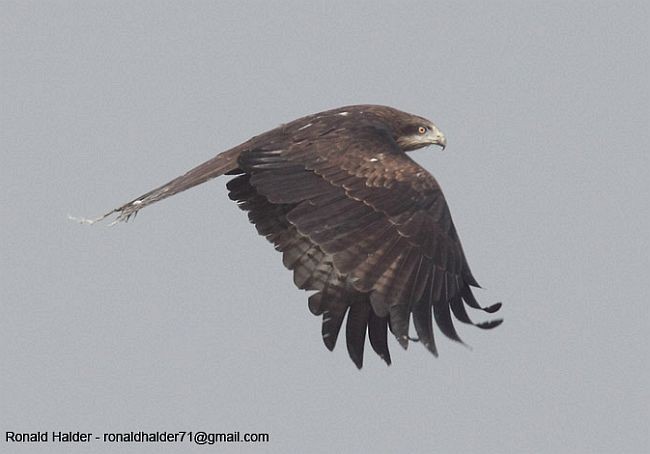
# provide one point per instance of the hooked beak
(439, 138)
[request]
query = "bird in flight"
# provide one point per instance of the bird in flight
(356, 219)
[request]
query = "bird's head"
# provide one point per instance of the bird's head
(419, 132)
(409, 131)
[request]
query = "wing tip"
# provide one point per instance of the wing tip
(403, 341)
(357, 360)
(490, 324)
(494, 308)
(121, 216)
(431, 347)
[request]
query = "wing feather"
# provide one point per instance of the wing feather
(355, 331)
(377, 332)
(422, 317)
(370, 230)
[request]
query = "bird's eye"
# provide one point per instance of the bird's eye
(422, 130)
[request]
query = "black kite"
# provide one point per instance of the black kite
(355, 218)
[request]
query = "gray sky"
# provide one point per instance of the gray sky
(186, 319)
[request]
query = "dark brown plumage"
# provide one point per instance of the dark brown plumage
(355, 218)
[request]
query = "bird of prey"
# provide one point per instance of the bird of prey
(356, 219)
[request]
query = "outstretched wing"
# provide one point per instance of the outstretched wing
(313, 270)
(221, 164)
(372, 227)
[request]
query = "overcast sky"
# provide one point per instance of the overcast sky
(185, 319)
